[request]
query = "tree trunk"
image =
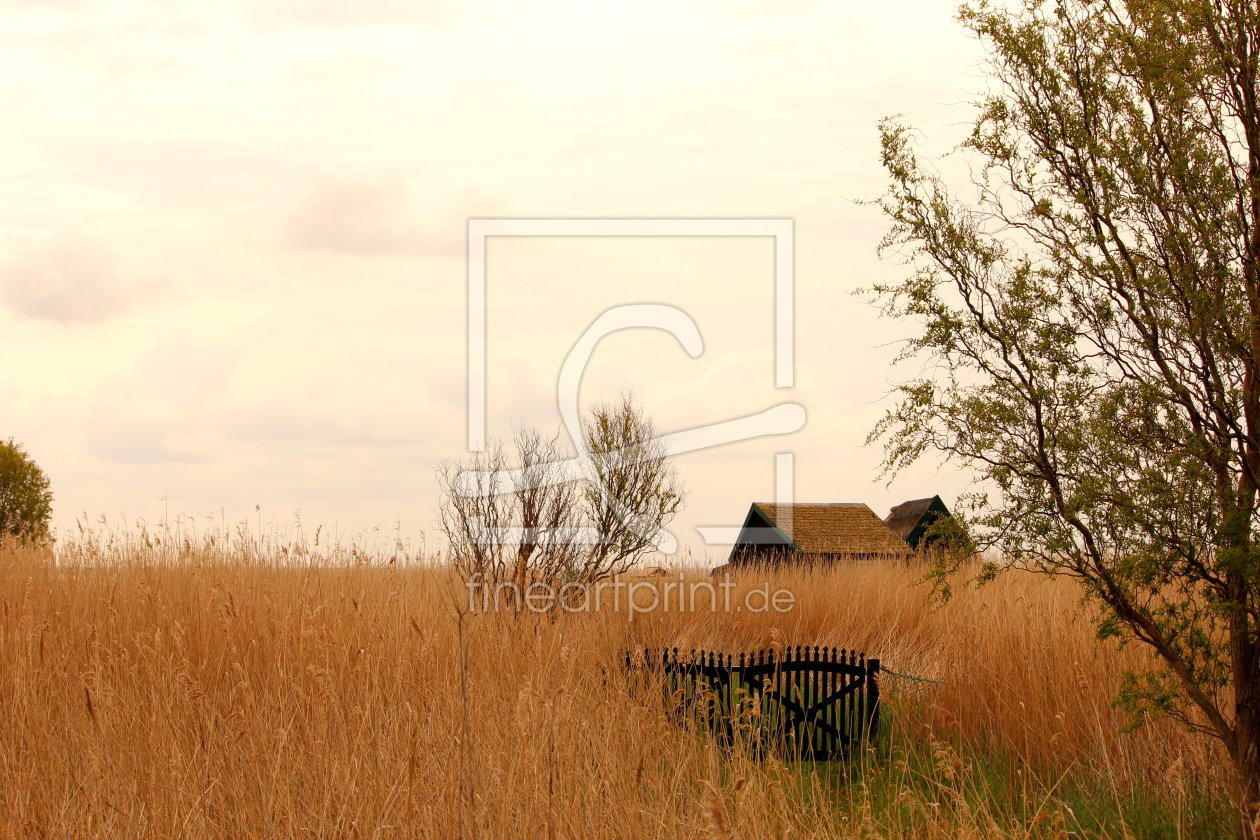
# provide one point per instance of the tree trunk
(1246, 754)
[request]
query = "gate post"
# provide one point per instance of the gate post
(872, 699)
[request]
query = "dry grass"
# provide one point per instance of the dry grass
(216, 698)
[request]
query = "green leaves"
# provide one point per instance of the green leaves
(1089, 324)
(25, 497)
(1143, 694)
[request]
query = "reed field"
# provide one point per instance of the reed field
(221, 691)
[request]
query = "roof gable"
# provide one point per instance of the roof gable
(910, 520)
(830, 528)
(760, 530)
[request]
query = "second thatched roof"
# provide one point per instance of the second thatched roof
(847, 528)
(911, 520)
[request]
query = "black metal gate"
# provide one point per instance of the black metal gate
(803, 702)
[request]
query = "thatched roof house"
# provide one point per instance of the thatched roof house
(910, 520)
(786, 533)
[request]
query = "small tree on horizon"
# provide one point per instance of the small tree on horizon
(1089, 327)
(25, 497)
(543, 520)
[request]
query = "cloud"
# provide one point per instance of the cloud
(187, 374)
(69, 280)
(375, 218)
(141, 443)
(354, 217)
(48, 6)
(132, 424)
(307, 426)
(157, 414)
(274, 14)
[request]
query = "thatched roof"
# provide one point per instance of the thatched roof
(832, 528)
(909, 520)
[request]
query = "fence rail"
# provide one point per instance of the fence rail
(803, 702)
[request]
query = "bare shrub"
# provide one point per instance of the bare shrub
(512, 525)
(557, 520)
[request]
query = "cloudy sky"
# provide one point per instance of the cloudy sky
(232, 238)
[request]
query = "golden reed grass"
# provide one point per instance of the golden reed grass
(206, 698)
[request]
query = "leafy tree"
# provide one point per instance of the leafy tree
(1090, 320)
(25, 500)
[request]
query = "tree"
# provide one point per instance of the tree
(1090, 323)
(633, 491)
(25, 500)
(537, 523)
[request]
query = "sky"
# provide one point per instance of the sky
(233, 254)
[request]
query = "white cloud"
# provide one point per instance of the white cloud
(69, 280)
(293, 423)
(374, 217)
(49, 6)
(130, 424)
(275, 14)
(140, 442)
(157, 414)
